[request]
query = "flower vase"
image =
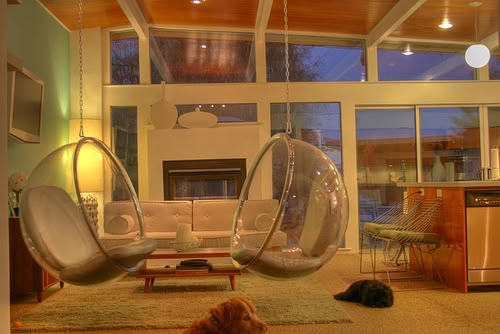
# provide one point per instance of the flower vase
(438, 170)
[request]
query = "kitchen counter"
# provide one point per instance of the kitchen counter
(451, 257)
(455, 184)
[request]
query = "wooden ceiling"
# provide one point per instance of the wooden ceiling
(374, 20)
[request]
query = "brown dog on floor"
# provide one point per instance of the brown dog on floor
(234, 316)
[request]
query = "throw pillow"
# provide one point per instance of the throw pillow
(263, 222)
(121, 224)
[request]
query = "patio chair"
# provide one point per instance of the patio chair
(396, 217)
(417, 235)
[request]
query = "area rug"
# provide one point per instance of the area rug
(175, 303)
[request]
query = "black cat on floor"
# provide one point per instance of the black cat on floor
(369, 292)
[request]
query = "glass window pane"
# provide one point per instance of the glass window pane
(386, 145)
(450, 139)
(425, 63)
(316, 123)
(226, 113)
(494, 67)
(315, 59)
(201, 57)
(494, 138)
(124, 142)
(386, 154)
(124, 58)
(494, 125)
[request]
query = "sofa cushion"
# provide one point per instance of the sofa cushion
(253, 209)
(213, 215)
(158, 216)
(121, 224)
(263, 222)
(164, 216)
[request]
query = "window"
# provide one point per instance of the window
(425, 63)
(124, 58)
(450, 138)
(315, 59)
(494, 125)
(386, 154)
(124, 142)
(226, 113)
(494, 140)
(316, 123)
(494, 67)
(201, 57)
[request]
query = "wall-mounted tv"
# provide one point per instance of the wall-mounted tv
(25, 100)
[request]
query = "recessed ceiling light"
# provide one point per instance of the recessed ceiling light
(446, 24)
(197, 2)
(407, 51)
(203, 46)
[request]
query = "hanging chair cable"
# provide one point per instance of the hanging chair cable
(80, 54)
(287, 69)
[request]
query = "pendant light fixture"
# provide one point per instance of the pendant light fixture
(477, 55)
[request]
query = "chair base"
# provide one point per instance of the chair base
(395, 271)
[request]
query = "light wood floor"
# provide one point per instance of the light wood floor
(422, 311)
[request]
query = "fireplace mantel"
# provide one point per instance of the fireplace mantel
(221, 142)
(203, 179)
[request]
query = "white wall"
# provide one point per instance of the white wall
(221, 142)
(4, 226)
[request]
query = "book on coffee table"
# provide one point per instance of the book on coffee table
(194, 265)
(192, 269)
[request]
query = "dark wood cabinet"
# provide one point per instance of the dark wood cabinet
(26, 276)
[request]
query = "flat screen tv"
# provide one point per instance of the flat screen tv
(25, 100)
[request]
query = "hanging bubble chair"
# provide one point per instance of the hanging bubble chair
(58, 223)
(307, 225)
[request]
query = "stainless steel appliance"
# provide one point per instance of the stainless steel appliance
(483, 236)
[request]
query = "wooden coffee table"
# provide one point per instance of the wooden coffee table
(150, 274)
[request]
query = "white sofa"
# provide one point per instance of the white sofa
(211, 221)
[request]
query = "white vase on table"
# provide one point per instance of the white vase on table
(438, 170)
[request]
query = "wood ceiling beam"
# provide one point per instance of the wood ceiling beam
(262, 17)
(135, 16)
(491, 41)
(397, 15)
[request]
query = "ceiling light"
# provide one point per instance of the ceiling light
(196, 2)
(203, 46)
(446, 24)
(407, 51)
(477, 55)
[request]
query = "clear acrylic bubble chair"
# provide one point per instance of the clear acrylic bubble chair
(57, 220)
(307, 223)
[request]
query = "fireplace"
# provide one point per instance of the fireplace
(203, 179)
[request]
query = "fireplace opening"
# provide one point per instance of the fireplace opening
(203, 179)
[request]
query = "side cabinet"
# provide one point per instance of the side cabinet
(26, 276)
